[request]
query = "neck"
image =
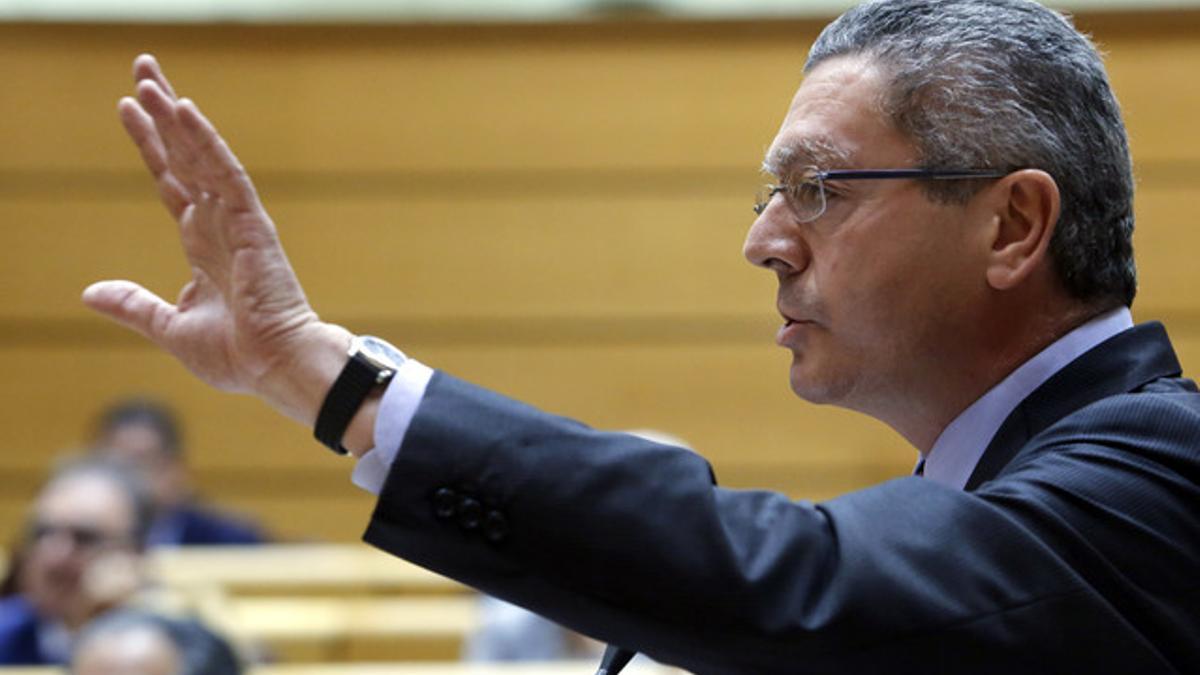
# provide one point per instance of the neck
(989, 348)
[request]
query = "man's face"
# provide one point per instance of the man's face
(874, 292)
(141, 447)
(79, 523)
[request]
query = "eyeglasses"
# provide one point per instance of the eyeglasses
(806, 196)
(82, 537)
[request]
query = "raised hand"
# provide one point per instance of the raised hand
(242, 323)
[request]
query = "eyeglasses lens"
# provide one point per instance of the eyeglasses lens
(806, 198)
(804, 195)
(80, 536)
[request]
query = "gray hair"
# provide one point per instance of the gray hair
(198, 650)
(1008, 84)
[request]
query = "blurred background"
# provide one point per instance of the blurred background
(547, 198)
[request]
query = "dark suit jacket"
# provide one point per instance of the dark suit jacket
(193, 524)
(19, 634)
(1076, 548)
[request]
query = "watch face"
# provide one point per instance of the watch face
(381, 353)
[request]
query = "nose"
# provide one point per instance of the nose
(775, 241)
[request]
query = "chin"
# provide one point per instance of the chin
(820, 388)
(808, 390)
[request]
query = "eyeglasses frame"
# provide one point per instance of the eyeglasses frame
(819, 176)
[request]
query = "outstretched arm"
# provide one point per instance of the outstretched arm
(242, 323)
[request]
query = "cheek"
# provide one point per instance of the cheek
(864, 287)
(879, 305)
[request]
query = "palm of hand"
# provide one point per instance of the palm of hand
(242, 300)
(233, 322)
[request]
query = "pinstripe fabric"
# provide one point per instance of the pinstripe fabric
(1076, 550)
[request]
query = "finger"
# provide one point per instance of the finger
(146, 67)
(181, 158)
(140, 128)
(132, 306)
(223, 174)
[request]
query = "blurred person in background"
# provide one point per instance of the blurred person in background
(81, 556)
(134, 642)
(507, 632)
(146, 435)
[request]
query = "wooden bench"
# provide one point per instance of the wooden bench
(314, 629)
(294, 569)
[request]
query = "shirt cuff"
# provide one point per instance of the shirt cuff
(400, 402)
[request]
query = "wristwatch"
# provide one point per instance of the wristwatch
(373, 363)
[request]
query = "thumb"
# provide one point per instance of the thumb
(132, 306)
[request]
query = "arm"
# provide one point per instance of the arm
(630, 542)
(242, 323)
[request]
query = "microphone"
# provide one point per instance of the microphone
(614, 660)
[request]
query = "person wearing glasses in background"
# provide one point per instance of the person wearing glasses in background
(950, 225)
(81, 556)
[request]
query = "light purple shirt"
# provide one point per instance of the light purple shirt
(950, 461)
(958, 449)
(396, 411)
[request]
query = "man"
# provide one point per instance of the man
(145, 435)
(82, 556)
(132, 642)
(951, 235)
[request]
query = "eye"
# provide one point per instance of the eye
(806, 199)
(834, 191)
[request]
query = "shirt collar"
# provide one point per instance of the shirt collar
(957, 450)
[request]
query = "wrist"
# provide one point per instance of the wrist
(297, 386)
(346, 421)
(360, 435)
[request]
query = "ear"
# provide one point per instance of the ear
(1027, 206)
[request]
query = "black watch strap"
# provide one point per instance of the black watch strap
(345, 397)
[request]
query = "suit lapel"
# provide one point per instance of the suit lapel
(1121, 364)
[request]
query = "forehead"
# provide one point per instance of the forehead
(134, 438)
(835, 121)
(85, 498)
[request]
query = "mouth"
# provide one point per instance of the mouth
(789, 319)
(791, 333)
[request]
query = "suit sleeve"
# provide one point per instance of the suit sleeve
(631, 542)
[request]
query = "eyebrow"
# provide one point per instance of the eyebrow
(808, 151)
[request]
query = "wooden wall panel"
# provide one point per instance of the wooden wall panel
(709, 405)
(555, 256)
(515, 97)
(554, 211)
(428, 99)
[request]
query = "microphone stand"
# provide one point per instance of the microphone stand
(614, 660)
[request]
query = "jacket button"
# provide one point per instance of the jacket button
(495, 527)
(444, 503)
(470, 513)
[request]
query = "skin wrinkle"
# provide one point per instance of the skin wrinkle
(819, 151)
